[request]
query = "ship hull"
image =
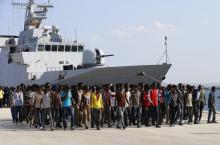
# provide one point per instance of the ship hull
(125, 74)
(15, 74)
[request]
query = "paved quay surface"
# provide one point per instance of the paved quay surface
(202, 134)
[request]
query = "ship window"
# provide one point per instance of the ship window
(67, 48)
(80, 48)
(74, 48)
(40, 48)
(61, 48)
(54, 47)
(61, 62)
(47, 47)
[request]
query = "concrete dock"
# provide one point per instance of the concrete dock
(18, 134)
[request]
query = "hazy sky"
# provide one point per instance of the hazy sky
(134, 31)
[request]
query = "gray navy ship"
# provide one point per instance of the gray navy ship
(39, 55)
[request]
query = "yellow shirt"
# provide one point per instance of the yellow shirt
(1, 94)
(96, 104)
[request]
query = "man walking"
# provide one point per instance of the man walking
(154, 105)
(19, 101)
(211, 105)
(97, 106)
(46, 108)
(67, 109)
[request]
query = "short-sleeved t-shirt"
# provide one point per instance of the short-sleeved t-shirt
(67, 100)
(1, 94)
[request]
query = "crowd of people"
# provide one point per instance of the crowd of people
(120, 105)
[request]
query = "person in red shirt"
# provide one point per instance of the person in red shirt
(154, 105)
(121, 100)
(145, 105)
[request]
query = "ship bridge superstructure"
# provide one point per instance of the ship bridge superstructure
(42, 48)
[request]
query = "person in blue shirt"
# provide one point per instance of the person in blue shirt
(167, 95)
(67, 108)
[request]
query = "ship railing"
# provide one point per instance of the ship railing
(66, 40)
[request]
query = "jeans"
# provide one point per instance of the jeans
(212, 110)
(173, 114)
(70, 112)
(13, 113)
(57, 116)
(145, 116)
(96, 116)
(18, 112)
(136, 115)
(113, 114)
(45, 112)
(106, 116)
(180, 112)
(120, 116)
(167, 114)
(38, 116)
(154, 114)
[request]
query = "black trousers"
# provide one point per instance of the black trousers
(145, 112)
(154, 114)
(18, 113)
(189, 114)
(212, 110)
(96, 116)
(106, 116)
(196, 111)
(201, 107)
(57, 116)
(173, 114)
(1, 103)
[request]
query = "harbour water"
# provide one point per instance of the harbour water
(217, 94)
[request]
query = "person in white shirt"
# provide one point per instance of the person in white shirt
(19, 101)
(127, 105)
